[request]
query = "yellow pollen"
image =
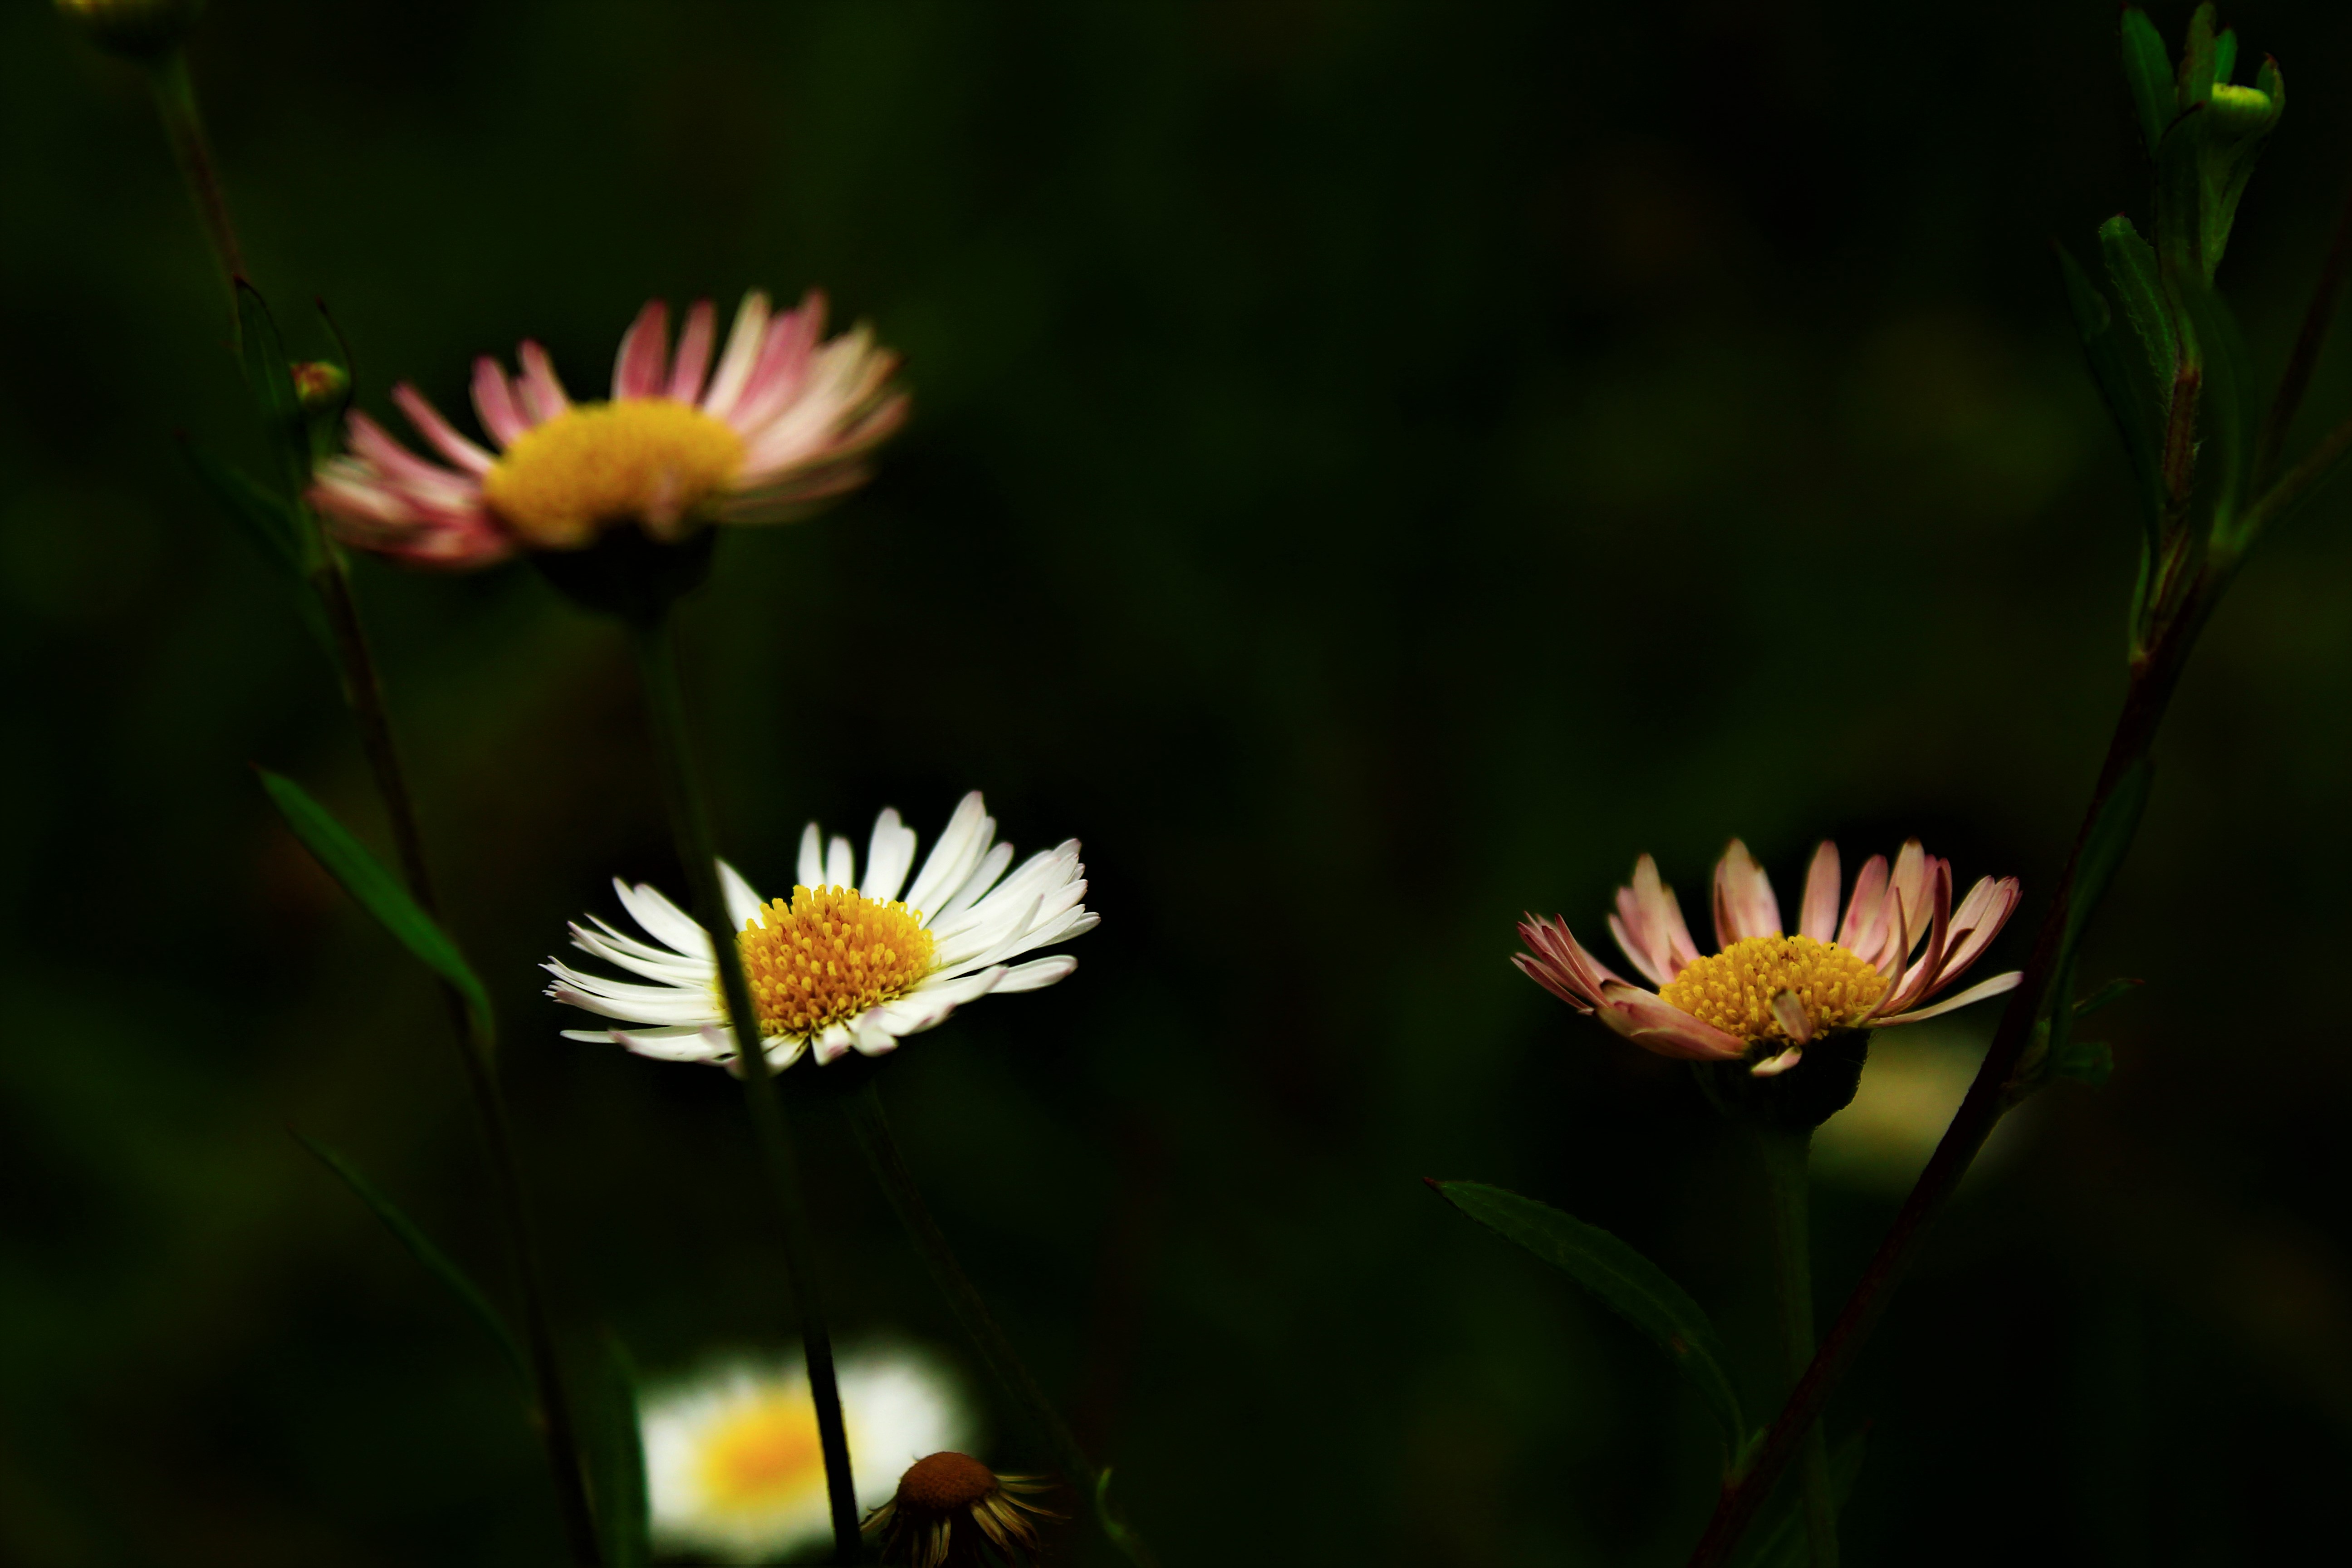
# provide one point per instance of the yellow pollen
(764, 1455)
(828, 955)
(644, 460)
(1734, 989)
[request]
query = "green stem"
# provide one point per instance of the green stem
(1785, 1155)
(690, 823)
(551, 1413)
(874, 1136)
(184, 128)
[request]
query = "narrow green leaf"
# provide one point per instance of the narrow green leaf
(2132, 272)
(378, 890)
(437, 1262)
(264, 522)
(2090, 1062)
(2148, 69)
(2227, 400)
(2138, 418)
(2197, 58)
(269, 375)
(2102, 855)
(2225, 56)
(1778, 1541)
(621, 1510)
(2106, 995)
(1634, 1287)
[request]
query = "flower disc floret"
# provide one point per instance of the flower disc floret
(597, 463)
(829, 955)
(1735, 989)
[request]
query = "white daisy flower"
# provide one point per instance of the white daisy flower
(845, 964)
(732, 1465)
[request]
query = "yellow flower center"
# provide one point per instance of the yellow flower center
(1734, 989)
(764, 1455)
(829, 955)
(644, 460)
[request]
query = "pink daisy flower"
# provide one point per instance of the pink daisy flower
(781, 422)
(1766, 996)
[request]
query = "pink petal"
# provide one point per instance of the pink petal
(542, 394)
(1792, 1014)
(1819, 919)
(494, 404)
(1866, 912)
(439, 431)
(1631, 944)
(1776, 1065)
(1910, 880)
(644, 351)
(374, 444)
(743, 343)
(1977, 992)
(1744, 904)
(783, 364)
(693, 353)
(1660, 1027)
(2000, 901)
(1560, 965)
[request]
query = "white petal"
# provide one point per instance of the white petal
(1037, 972)
(840, 864)
(950, 854)
(664, 920)
(742, 903)
(889, 856)
(812, 866)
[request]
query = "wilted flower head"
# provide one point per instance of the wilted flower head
(846, 963)
(782, 422)
(732, 1464)
(947, 1504)
(1764, 995)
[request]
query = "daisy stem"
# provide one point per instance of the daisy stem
(2155, 673)
(551, 1408)
(183, 127)
(1786, 1154)
(657, 649)
(873, 1129)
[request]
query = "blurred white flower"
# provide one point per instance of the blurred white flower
(733, 1466)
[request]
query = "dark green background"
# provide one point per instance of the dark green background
(1377, 468)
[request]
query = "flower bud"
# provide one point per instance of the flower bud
(323, 386)
(2236, 112)
(135, 30)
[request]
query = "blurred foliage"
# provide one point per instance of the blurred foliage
(1378, 468)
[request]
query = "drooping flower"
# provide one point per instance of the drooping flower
(947, 1504)
(1766, 996)
(732, 1464)
(782, 422)
(845, 964)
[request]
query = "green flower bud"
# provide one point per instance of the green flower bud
(2236, 112)
(323, 386)
(136, 29)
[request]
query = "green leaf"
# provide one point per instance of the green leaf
(2132, 270)
(264, 520)
(269, 376)
(2197, 58)
(1634, 1287)
(2225, 56)
(2106, 995)
(437, 1262)
(2103, 853)
(1778, 1541)
(2148, 69)
(622, 1512)
(2091, 1062)
(378, 890)
(2227, 402)
(2137, 416)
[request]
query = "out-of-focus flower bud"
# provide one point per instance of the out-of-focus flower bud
(2237, 111)
(136, 29)
(323, 386)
